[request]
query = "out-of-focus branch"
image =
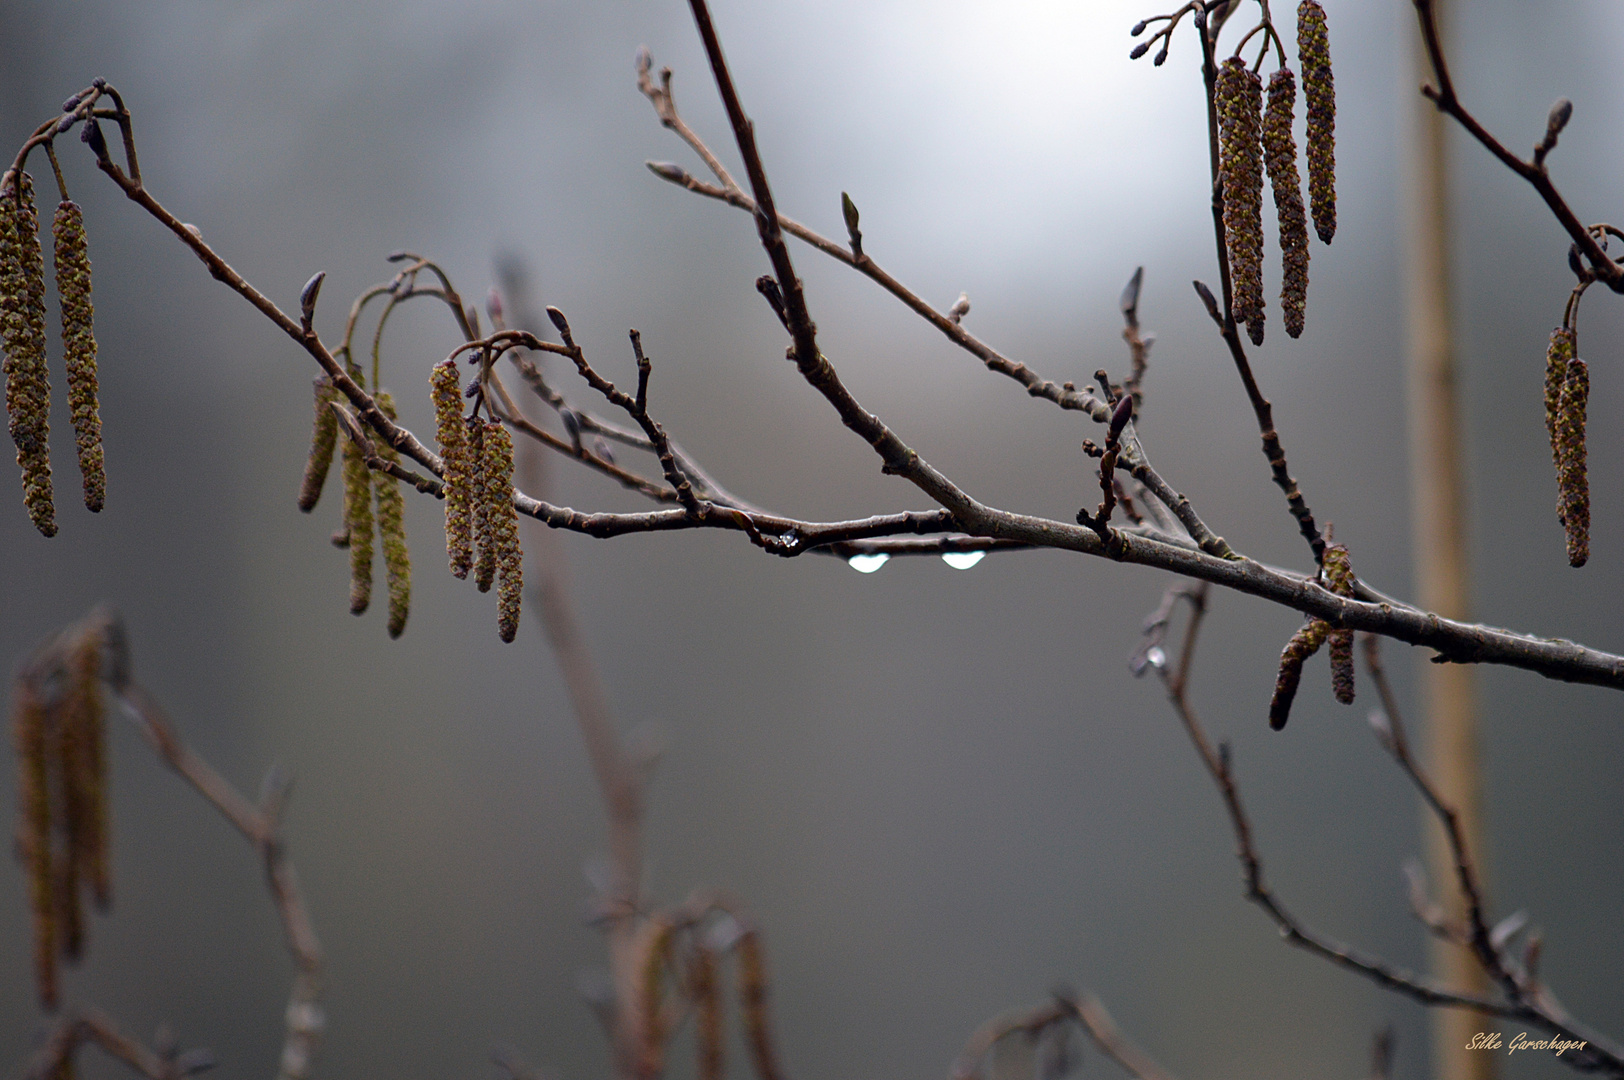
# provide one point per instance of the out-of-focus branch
(261, 826)
(89, 1026)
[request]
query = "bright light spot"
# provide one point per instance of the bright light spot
(867, 564)
(962, 560)
(1156, 657)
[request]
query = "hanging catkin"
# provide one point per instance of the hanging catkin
(1572, 482)
(452, 433)
(79, 348)
(1339, 579)
(485, 553)
(30, 735)
(1240, 161)
(1303, 644)
(502, 528)
(323, 437)
(1280, 156)
(22, 312)
(397, 561)
(1314, 53)
(358, 519)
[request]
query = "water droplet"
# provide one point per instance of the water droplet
(867, 564)
(962, 560)
(1156, 657)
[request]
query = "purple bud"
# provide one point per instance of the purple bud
(559, 321)
(73, 103)
(307, 297)
(1138, 28)
(1120, 418)
(665, 170)
(99, 83)
(1139, 50)
(65, 123)
(91, 136)
(1160, 58)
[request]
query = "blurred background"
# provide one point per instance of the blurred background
(941, 792)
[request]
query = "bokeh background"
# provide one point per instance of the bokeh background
(941, 792)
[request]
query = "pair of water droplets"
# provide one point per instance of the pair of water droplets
(958, 560)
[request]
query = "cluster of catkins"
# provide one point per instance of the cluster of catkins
(1567, 390)
(1252, 138)
(361, 486)
(1337, 573)
(22, 326)
(481, 523)
(57, 726)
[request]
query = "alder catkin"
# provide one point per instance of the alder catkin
(397, 561)
(358, 522)
(709, 1041)
(1239, 94)
(1562, 348)
(1572, 482)
(502, 529)
(323, 437)
(22, 311)
(1303, 644)
(753, 1003)
(30, 737)
(452, 434)
(1280, 156)
(485, 554)
(1314, 53)
(79, 348)
(1339, 579)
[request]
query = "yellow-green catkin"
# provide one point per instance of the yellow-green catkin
(30, 736)
(502, 528)
(1303, 644)
(1314, 53)
(358, 520)
(323, 437)
(88, 714)
(79, 348)
(1239, 94)
(22, 325)
(1572, 481)
(1339, 579)
(1280, 157)
(485, 554)
(452, 434)
(397, 561)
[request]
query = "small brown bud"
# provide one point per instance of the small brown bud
(1280, 155)
(1303, 644)
(397, 561)
(79, 348)
(665, 170)
(1239, 94)
(452, 434)
(1314, 53)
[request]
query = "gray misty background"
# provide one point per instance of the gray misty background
(942, 792)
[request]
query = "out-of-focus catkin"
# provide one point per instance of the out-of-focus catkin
(1314, 53)
(323, 437)
(709, 1039)
(79, 348)
(753, 1003)
(397, 561)
(1339, 579)
(1240, 160)
(31, 738)
(358, 520)
(1572, 481)
(1303, 644)
(502, 529)
(452, 434)
(1280, 156)
(22, 326)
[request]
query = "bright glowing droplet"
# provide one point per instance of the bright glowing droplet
(1156, 657)
(962, 560)
(867, 564)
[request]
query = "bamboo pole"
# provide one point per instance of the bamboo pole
(1440, 528)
